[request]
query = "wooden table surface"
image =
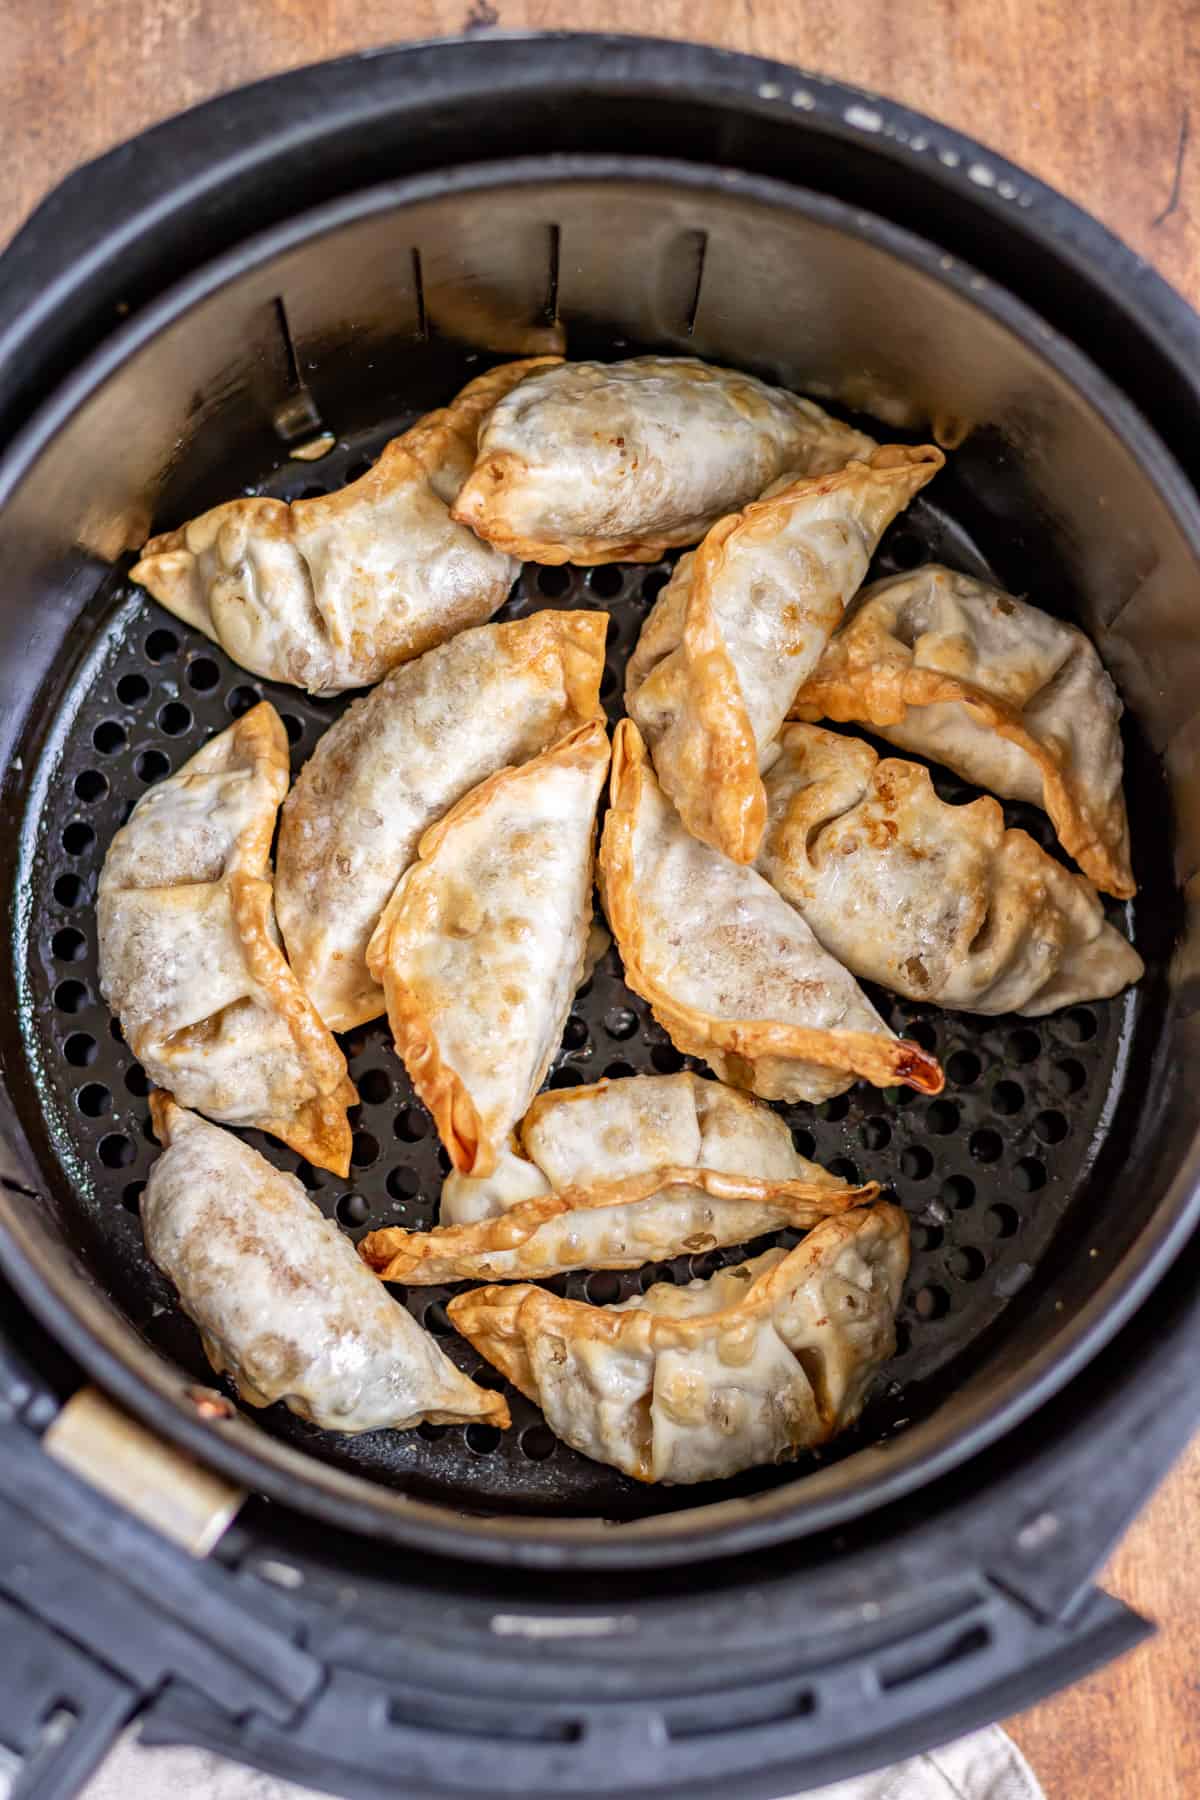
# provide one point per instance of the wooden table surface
(1101, 99)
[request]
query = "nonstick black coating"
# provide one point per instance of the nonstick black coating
(987, 1172)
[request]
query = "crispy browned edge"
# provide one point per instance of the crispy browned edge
(453, 1252)
(499, 1320)
(414, 1031)
(879, 1059)
(319, 1129)
(726, 804)
(875, 694)
(498, 470)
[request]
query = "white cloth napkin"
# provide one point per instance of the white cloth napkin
(987, 1766)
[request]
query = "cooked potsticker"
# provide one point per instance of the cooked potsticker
(740, 627)
(1014, 700)
(189, 952)
(616, 462)
(330, 593)
(283, 1304)
(633, 1171)
(936, 902)
(395, 762)
(730, 969)
(482, 946)
(684, 1384)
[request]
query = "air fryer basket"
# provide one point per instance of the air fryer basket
(215, 322)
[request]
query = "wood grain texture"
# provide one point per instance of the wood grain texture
(1102, 99)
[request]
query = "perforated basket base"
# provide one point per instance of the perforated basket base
(988, 1172)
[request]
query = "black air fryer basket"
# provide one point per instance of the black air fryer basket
(451, 1611)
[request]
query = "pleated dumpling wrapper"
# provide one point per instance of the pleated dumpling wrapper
(684, 1384)
(189, 953)
(729, 968)
(282, 1302)
(633, 1171)
(481, 947)
(616, 462)
(395, 762)
(936, 902)
(1014, 700)
(332, 592)
(740, 627)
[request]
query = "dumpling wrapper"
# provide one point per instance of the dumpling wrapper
(332, 592)
(936, 902)
(635, 1171)
(481, 947)
(189, 952)
(740, 627)
(395, 762)
(729, 968)
(616, 462)
(1012, 699)
(282, 1302)
(685, 1384)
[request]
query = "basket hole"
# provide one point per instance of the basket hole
(920, 1031)
(411, 1125)
(70, 996)
(1007, 1097)
(553, 582)
(619, 1022)
(137, 1081)
(307, 1176)
(1078, 1026)
(375, 1087)
(1029, 1175)
(836, 1109)
(986, 1146)
(364, 1149)
(152, 765)
(91, 785)
(115, 1032)
(489, 1378)
(109, 737)
(80, 1049)
(94, 1100)
(805, 1143)
(958, 1191)
(293, 726)
(1023, 1046)
(537, 1442)
(653, 584)
(876, 1134)
(78, 838)
(132, 689)
(1070, 1077)
(239, 700)
(431, 1432)
(932, 1302)
(203, 674)
(565, 1078)
(941, 1118)
(966, 1263)
(665, 1059)
(927, 1237)
(619, 1071)
(353, 1209)
(403, 1184)
(916, 1163)
(1002, 1220)
(161, 644)
(963, 1068)
(131, 1195)
(603, 1288)
(606, 581)
(846, 1169)
(575, 1033)
(174, 718)
(482, 1439)
(68, 944)
(1051, 1127)
(116, 1150)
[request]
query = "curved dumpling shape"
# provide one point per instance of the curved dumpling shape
(189, 953)
(617, 462)
(1012, 699)
(683, 1384)
(397, 760)
(933, 901)
(330, 593)
(482, 945)
(730, 969)
(282, 1302)
(740, 627)
(634, 1171)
